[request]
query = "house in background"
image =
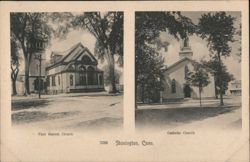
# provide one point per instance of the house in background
(74, 70)
(235, 88)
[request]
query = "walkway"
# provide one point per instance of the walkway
(194, 103)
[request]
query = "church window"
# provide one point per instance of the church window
(53, 80)
(100, 79)
(58, 80)
(71, 80)
(48, 81)
(91, 76)
(185, 44)
(82, 80)
(186, 72)
(71, 67)
(173, 86)
(86, 60)
(90, 68)
(82, 68)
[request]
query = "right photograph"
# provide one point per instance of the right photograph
(188, 70)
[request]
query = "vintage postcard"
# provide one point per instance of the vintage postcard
(125, 81)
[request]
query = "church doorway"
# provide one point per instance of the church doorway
(187, 91)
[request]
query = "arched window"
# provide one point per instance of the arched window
(71, 80)
(71, 67)
(82, 68)
(58, 80)
(53, 80)
(48, 81)
(90, 68)
(185, 43)
(86, 60)
(186, 71)
(173, 86)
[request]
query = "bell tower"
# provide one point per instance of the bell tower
(185, 49)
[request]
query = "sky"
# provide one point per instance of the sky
(199, 46)
(72, 39)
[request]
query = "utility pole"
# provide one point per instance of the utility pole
(39, 57)
(39, 81)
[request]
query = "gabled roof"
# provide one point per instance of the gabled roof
(72, 54)
(177, 63)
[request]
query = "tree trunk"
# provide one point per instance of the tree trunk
(14, 73)
(26, 79)
(142, 92)
(200, 95)
(136, 90)
(112, 72)
(215, 88)
(14, 92)
(220, 81)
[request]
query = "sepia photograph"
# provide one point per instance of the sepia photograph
(67, 70)
(188, 70)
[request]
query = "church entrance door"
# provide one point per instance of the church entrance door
(187, 91)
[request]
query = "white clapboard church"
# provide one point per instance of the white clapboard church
(176, 86)
(74, 70)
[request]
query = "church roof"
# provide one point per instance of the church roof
(71, 54)
(178, 63)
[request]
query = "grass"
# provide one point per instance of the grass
(175, 116)
(28, 103)
(34, 116)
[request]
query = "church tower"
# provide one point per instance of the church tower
(185, 50)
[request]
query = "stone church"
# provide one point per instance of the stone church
(176, 86)
(74, 70)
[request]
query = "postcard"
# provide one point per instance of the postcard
(125, 81)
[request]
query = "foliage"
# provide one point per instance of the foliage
(107, 28)
(28, 27)
(199, 78)
(217, 28)
(239, 34)
(25, 27)
(15, 63)
(148, 61)
(213, 66)
(107, 77)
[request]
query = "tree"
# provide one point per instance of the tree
(149, 72)
(15, 63)
(212, 66)
(107, 28)
(148, 61)
(26, 27)
(217, 28)
(239, 34)
(199, 78)
(107, 77)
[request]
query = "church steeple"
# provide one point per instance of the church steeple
(185, 50)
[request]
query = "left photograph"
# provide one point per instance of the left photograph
(66, 70)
